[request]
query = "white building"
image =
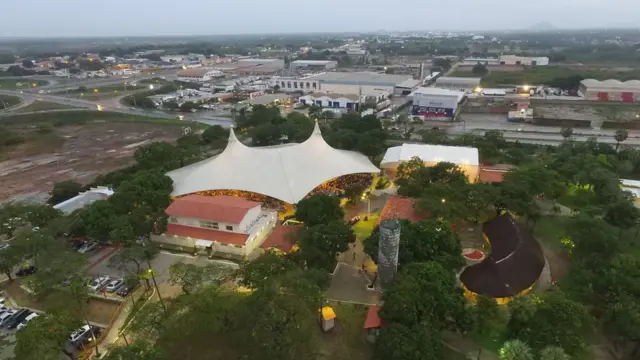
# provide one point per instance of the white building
(198, 74)
(435, 102)
(313, 65)
(464, 84)
(348, 83)
(610, 90)
(483, 61)
(524, 60)
(227, 225)
(466, 158)
(333, 101)
(263, 63)
(83, 199)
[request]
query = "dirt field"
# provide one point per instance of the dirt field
(78, 153)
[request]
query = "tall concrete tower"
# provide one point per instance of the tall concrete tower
(421, 72)
(388, 253)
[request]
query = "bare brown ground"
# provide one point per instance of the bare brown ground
(78, 153)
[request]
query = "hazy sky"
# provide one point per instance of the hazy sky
(186, 17)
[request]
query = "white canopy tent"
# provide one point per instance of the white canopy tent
(285, 172)
(466, 158)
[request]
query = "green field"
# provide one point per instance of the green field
(62, 118)
(7, 101)
(545, 74)
(11, 84)
(100, 93)
(42, 106)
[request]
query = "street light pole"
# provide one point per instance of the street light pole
(155, 284)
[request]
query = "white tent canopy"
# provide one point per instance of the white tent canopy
(285, 172)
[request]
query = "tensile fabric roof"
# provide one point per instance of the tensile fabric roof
(285, 172)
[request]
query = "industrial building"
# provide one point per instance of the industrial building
(483, 61)
(333, 101)
(435, 102)
(464, 84)
(263, 63)
(350, 83)
(320, 65)
(610, 90)
(198, 74)
(524, 60)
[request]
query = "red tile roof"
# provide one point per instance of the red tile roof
(491, 176)
(373, 320)
(281, 238)
(207, 234)
(221, 208)
(398, 207)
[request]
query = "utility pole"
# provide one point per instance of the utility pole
(155, 284)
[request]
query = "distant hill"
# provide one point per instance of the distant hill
(543, 26)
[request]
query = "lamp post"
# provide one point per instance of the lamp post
(366, 197)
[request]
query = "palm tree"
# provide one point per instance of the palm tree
(553, 353)
(620, 136)
(516, 350)
(566, 133)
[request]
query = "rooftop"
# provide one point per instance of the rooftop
(373, 320)
(313, 62)
(194, 72)
(398, 207)
(222, 208)
(629, 84)
(362, 76)
(515, 263)
(458, 80)
(83, 199)
(336, 96)
(282, 238)
(491, 175)
(265, 99)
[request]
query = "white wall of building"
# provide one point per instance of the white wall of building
(328, 102)
(437, 101)
(524, 60)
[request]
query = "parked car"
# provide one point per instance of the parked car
(26, 320)
(88, 246)
(3, 246)
(114, 285)
(6, 315)
(17, 318)
(127, 289)
(99, 282)
(25, 271)
(78, 334)
(354, 220)
(86, 338)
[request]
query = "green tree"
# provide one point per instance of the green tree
(216, 136)
(320, 244)
(621, 322)
(158, 155)
(479, 69)
(408, 342)
(516, 350)
(46, 336)
(319, 209)
(138, 350)
(488, 316)
(148, 191)
(620, 136)
(97, 220)
(426, 293)
(14, 216)
(354, 191)
(622, 214)
(191, 276)
(553, 353)
(10, 258)
(63, 191)
(423, 241)
(255, 274)
(555, 321)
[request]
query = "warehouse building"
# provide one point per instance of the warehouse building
(464, 84)
(349, 83)
(610, 90)
(263, 63)
(198, 74)
(320, 65)
(524, 60)
(436, 103)
(483, 61)
(333, 101)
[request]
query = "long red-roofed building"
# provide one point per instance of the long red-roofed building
(223, 225)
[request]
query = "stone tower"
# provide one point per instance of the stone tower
(388, 253)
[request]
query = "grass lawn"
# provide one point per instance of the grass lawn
(96, 310)
(61, 118)
(43, 106)
(544, 74)
(7, 101)
(347, 339)
(363, 228)
(11, 84)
